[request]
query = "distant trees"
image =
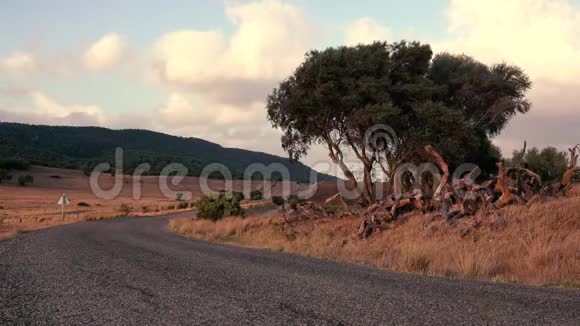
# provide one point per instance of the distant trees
(84, 148)
(14, 164)
(549, 162)
(4, 175)
(11, 164)
(452, 102)
(24, 180)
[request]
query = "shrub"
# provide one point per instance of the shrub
(125, 209)
(170, 208)
(278, 201)
(256, 195)
(549, 162)
(216, 207)
(83, 204)
(24, 180)
(183, 205)
(294, 201)
(179, 196)
(239, 196)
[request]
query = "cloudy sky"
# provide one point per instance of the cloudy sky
(204, 68)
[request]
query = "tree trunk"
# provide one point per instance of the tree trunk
(368, 184)
(336, 156)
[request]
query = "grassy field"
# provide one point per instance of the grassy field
(35, 206)
(539, 245)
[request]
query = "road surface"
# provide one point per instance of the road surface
(134, 271)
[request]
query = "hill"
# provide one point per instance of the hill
(85, 147)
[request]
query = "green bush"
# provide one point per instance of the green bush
(24, 180)
(179, 196)
(294, 201)
(239, 196)
(256, 195)
(125, 209)
(216, 207)
(183, 205)
(278, 201)
(549, 162)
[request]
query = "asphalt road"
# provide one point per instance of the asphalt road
(135, 272)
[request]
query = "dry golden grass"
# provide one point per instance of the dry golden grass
(34, 207)
(538, 245)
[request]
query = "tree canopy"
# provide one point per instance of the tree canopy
(338, 96)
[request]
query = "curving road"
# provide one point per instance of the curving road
(135, 272)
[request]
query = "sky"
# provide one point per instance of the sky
(204, 68)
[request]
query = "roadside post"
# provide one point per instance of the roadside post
(63, 201)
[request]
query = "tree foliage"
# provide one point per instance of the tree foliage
(454, 103)
(549, 162)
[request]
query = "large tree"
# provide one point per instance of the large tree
(336, 97)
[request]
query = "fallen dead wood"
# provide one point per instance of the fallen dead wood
(443, 166)
(458, 198)
(574, 151)
(340, 199)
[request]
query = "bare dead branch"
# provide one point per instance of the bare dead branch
(340, 199)
(442, 165)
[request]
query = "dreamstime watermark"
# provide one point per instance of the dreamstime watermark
(380, 145)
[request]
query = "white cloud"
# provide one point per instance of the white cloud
(542, 37)
(365, 31)
(107, 52)
(187, 56)
(18, 63)
(270, 40)
(44, 105)
(219, 82)
(184, 110)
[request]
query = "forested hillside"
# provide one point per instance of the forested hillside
(85, 147)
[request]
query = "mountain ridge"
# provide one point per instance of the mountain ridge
(85, 147)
